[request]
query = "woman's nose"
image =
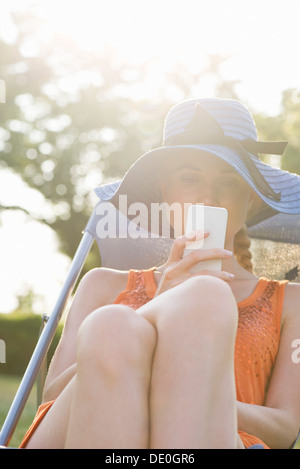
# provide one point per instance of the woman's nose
(208, 196)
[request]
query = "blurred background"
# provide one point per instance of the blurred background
(86, 86)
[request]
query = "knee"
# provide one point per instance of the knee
(90, 282)
(113, 339)
(205, 303)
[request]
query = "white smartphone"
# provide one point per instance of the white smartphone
(214, 220)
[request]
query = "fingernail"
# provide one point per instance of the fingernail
(227, 253)
(230, 276)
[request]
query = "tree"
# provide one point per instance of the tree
(68, 124)
(74, 119)
(285, 126)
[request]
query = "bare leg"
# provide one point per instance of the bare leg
(193, 398)
(112, 382)
(106, 403)
(192, 388)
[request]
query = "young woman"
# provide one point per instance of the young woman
(166, 358)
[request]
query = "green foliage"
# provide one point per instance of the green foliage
(9, 386)
(74, 119)
(284, 126)
(20, 333)
(65, 126)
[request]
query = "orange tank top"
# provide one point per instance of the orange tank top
(257, 336)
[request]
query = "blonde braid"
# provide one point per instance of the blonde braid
(241, 249)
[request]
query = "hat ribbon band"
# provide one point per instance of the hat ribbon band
(252, 145)
(268, 148)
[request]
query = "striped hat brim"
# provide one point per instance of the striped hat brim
(221, 127)
(140, 183)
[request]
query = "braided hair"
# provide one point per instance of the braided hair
(241, 249)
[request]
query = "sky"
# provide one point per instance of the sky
(260, 38)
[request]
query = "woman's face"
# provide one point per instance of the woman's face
(210, 181)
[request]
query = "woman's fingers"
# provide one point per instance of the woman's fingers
(221, 274)
(181, 242)
(179, 264)
(197, 255)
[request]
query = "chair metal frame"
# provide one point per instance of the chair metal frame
(44, 341)
(158, 249)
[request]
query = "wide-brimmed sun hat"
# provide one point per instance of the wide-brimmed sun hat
(224, 128)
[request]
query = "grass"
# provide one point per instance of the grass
(8, 389)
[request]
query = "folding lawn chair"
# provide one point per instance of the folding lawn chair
(121, 252)
(118, 253)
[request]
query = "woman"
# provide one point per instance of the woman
(178, 359)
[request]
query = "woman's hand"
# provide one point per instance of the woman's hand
(177, 268)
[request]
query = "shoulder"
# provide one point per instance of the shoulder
(108, 282)
(105, 274)
(291, 303)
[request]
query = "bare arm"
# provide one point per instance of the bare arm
(278, 422)
(98, 287)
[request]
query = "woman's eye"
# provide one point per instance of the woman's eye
(189, 179)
